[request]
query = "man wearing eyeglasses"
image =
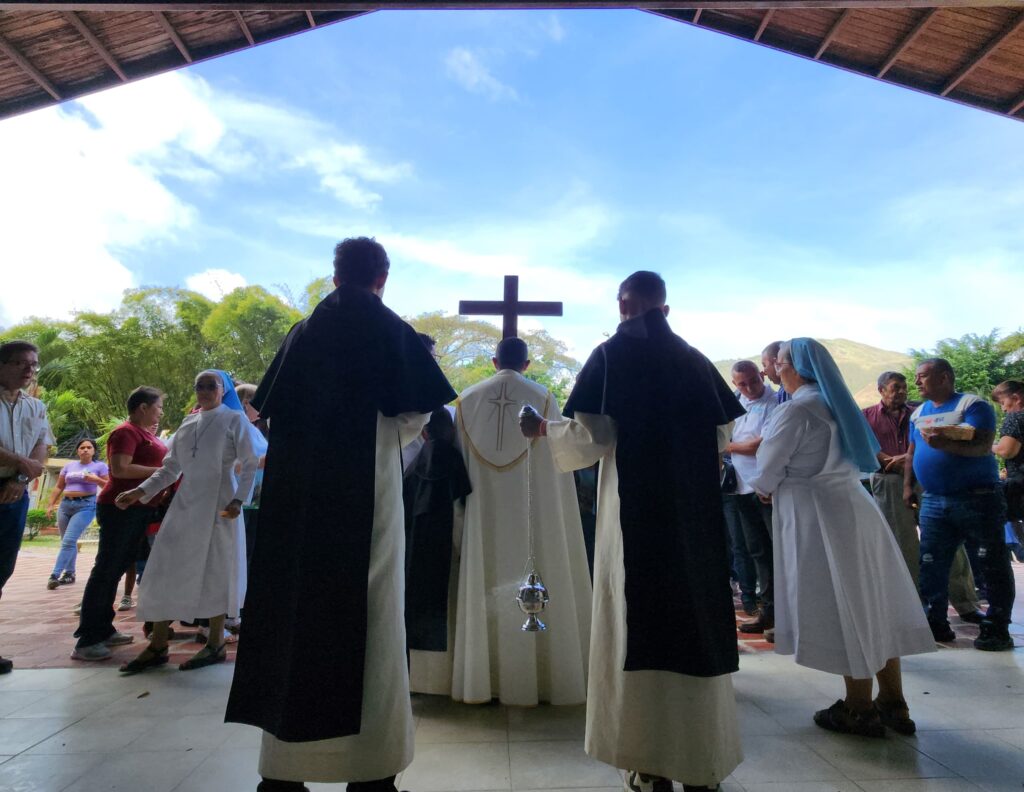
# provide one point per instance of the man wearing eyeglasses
(24, 438)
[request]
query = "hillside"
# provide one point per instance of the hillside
(860, 363)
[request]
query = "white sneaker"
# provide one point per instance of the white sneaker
(119, 639)
(125, 604)
(95, 652)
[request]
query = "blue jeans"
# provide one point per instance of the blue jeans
(743, 569)
(12, 528)
(946, 522)
(73, 517)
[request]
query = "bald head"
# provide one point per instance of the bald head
(769, 356)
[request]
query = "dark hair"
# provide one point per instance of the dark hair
(512, 353)
(143, 394)
(428, 341)
(440, 426)
(12, 348)
(88, 440)
(359, 261)
(649, 287)
(772, 350)
(888, 376)
(1008, 388)
(744, 365)
(939, 364)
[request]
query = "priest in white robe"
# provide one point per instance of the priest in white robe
(197, 565)
(656, 414)
(492, 656)
(321, 665)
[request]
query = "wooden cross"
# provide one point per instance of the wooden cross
(510, 309)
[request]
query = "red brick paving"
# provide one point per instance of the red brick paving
(36, 625)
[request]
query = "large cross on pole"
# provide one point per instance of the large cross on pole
(510, 309)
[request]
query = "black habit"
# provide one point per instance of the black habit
(299, 668)
(434, 481)
(667, 401)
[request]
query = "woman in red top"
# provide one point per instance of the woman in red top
(134, 453)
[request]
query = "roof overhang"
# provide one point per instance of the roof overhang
(967, 51)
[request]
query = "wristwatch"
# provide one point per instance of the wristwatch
(21, 478)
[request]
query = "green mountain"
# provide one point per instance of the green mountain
(860, 363)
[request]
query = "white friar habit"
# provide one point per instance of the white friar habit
(493, 657)
(655, 413)
(197, 565)
(321, 659)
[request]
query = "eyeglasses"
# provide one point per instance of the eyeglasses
(205, 386)
(24, 364)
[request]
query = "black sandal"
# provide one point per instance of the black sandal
(205, 657)
(840, 718)
(141, 663)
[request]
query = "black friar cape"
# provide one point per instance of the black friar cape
(667, 400)
(434, 481)
(299, 669)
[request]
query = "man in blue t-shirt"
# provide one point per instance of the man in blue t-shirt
(961, 499)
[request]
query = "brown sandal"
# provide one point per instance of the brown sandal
(142, 662)
(205, 657)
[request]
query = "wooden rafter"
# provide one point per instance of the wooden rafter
(764, 23)
(981, 57)
(245, 28)
(310, 19)
(909, 39)
(8, 49)
(1017, 106)
(696, 16)
(83, 29)
(832, 33)
(165, 23)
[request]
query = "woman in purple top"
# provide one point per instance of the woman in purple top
(79, 482)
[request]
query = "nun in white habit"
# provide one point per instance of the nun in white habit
(197, 565)
(844, 599)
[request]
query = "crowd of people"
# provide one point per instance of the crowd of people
(845, 533)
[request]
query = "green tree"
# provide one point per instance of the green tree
(245, 329)
(466, 346)
(980, 361)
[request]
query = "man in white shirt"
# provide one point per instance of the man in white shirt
(24, 439)
(758, 399)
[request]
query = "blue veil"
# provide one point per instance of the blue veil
(231, 400)
(812, 361)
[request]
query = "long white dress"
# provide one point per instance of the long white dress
(844, 599)
(197, 565)
(384, 745)
(662, 723)
(492, 656)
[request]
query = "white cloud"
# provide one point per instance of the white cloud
(465, 67)
(215, 283)
(552, 27)
(85, 183)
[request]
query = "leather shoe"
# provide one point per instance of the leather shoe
(943, 633)
(974, 617)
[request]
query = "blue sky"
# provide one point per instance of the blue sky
(778, 197)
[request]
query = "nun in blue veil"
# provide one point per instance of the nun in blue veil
(844, 601)
(197, 565)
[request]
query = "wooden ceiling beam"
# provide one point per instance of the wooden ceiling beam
(83, 29)
(165, 23)
(245, 28)
(1016, 24)
(8, 49)
(908, 39)
(764, 23)
(696, 16)
(832, 33)
(1017, 106)
(377, 5)
(309, 19)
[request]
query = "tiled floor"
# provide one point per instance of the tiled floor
(85, 728)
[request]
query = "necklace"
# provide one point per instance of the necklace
(197, 435)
